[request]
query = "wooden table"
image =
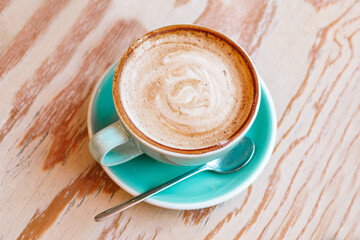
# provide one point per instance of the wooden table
(52, 53)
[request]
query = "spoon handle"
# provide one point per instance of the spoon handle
(119, 208)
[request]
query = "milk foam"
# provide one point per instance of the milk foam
(186, 90)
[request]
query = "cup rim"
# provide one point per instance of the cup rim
(141, 137)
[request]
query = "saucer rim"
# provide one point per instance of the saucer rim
(207, 203)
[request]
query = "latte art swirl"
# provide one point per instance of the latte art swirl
(190, 95)
(186, 90)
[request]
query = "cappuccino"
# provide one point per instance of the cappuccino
(186, 88)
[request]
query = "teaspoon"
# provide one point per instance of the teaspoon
(237, 158)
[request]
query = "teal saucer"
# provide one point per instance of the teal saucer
(200, 191)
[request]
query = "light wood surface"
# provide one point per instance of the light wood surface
(53, 52)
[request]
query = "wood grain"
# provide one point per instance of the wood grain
(4, 4)
(308, 53)
(39, 21)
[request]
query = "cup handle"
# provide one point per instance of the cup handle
(112, 145)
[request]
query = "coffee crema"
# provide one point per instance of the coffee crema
(186, 89)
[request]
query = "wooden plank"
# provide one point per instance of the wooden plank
(308, 53)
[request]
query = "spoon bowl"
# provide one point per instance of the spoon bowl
(232, 161)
